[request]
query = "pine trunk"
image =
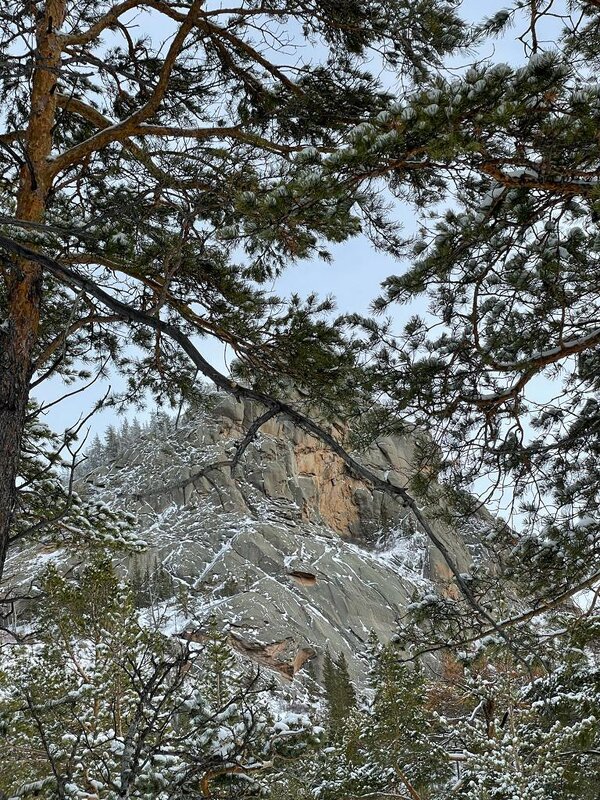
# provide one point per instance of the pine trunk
(19, 332)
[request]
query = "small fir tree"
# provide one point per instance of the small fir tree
(340, 695)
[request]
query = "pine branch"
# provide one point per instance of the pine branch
(129, 314)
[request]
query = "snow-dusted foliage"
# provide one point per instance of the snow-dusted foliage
(50, 510)
(531, 734)
(98, 705)
(485, 727)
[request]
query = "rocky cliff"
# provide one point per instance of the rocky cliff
(291, 554)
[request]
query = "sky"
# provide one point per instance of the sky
(353, 278)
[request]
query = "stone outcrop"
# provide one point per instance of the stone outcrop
(291, 554)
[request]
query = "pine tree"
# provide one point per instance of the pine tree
(112, 443)
(391, 744)
(340, 695)
(527, 734)
(136, 582)
(94, 453)
(136, 430)
(164, 583)
(219, 663)
(130, 190)
(50, 506)
(502, 372)
(402, 728)
(125, 432)
(155, 181)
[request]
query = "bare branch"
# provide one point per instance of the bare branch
(123, 129)
(250, 436)
(252, 53)
(111, 17)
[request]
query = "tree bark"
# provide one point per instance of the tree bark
(23, 278)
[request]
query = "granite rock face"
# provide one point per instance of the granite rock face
(291, 554)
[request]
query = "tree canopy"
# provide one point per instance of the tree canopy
(151, 149)
(163, 162)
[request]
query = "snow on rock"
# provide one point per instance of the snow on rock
(292, 555)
